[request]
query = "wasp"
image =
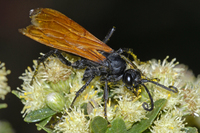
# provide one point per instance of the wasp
(56, 30)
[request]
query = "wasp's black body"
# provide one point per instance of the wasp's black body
(112, 69)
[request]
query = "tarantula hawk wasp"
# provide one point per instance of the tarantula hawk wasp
(56, 30)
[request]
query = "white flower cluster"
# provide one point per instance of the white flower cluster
(4, 88)
(63, 81)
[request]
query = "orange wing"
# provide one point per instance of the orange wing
(56, 30)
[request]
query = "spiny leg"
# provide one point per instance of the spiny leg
(105, 96)
(114, 78)
(62, 58)
(78, 93)
(129, 61)
(44, 57)
(130, 51)
(82, 89)
(41, 60)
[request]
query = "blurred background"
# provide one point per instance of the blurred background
(153, 29)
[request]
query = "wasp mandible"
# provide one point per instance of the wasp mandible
(56, 30)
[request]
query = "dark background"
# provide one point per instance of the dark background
(153, 29)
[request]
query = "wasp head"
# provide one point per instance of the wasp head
(132, 78)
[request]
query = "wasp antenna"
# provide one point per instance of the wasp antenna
(170, 88)
(146, 105)
(110, 33)
(173, 88)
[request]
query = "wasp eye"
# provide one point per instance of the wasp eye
(127, 79)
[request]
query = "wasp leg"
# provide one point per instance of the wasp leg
(129, 62)
(120, 51)
(44, 57)
(62, 58)
(109, 34)
(83, 63)
(130, 52)
(82, 88)
(105, 96)
(114, 78)
(41, 60)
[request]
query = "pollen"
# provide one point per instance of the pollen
(169, 95)
(86, 96)
(95, 110)
(139, 91)
(66, 120)
(25, 97)
(109, 102)
(92, 87)
(115, 107)
(94, 94)
(27, 93)
(71, 118)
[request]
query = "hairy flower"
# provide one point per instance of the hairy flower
(53, 70)
(130, 109)
(169, 122)
(167, 74)
(74, 122)
(191, 98)
(34, 95)
(4, 88)
(55, 86)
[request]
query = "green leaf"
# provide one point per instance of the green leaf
(145, 123)
(3, 105)
(48, 130)
(44, 122)
(39, 115)
(117, 126)
(99, 125)
(190, 130)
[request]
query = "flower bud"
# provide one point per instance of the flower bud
(55, 101)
